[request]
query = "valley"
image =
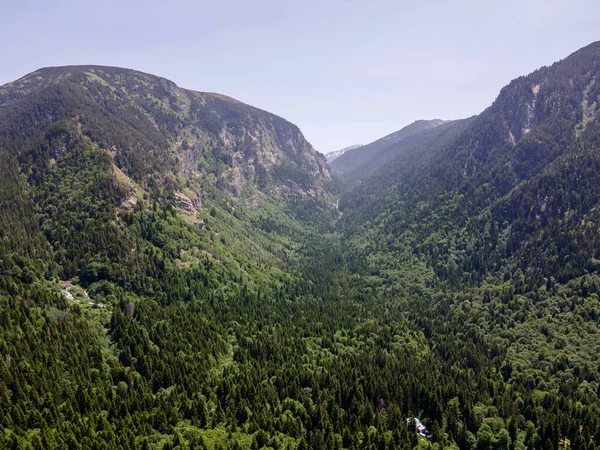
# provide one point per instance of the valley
(180, 270)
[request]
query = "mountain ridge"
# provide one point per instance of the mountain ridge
(337, 153)
(355, 160)
(260, 148)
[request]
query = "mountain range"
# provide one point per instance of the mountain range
(181, 270)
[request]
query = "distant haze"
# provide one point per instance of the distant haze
(336, 154)
(343, 71)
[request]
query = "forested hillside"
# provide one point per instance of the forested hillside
(174, 273)
(360, 162)
(499, 230)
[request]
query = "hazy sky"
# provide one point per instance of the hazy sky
(346, 72)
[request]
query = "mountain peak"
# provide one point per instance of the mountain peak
(158, 131)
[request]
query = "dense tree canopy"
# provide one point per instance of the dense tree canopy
(460, 288)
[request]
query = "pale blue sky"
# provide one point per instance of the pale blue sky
(346, 72)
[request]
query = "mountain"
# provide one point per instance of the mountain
(156, 132)
(518, 172)
(377, 153)
(142, 228)
(336, 154)
(493, 237)
(535, 121)
(176, 272)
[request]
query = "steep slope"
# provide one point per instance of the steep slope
(336, 154)
(538, 126)
(376, 154)
(96, 143)
(534, 120)
(152, 128)
(498, 230)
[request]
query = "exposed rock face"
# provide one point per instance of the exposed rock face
(190, 205)
(292, 188)
(252, 202)
(252, 143)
